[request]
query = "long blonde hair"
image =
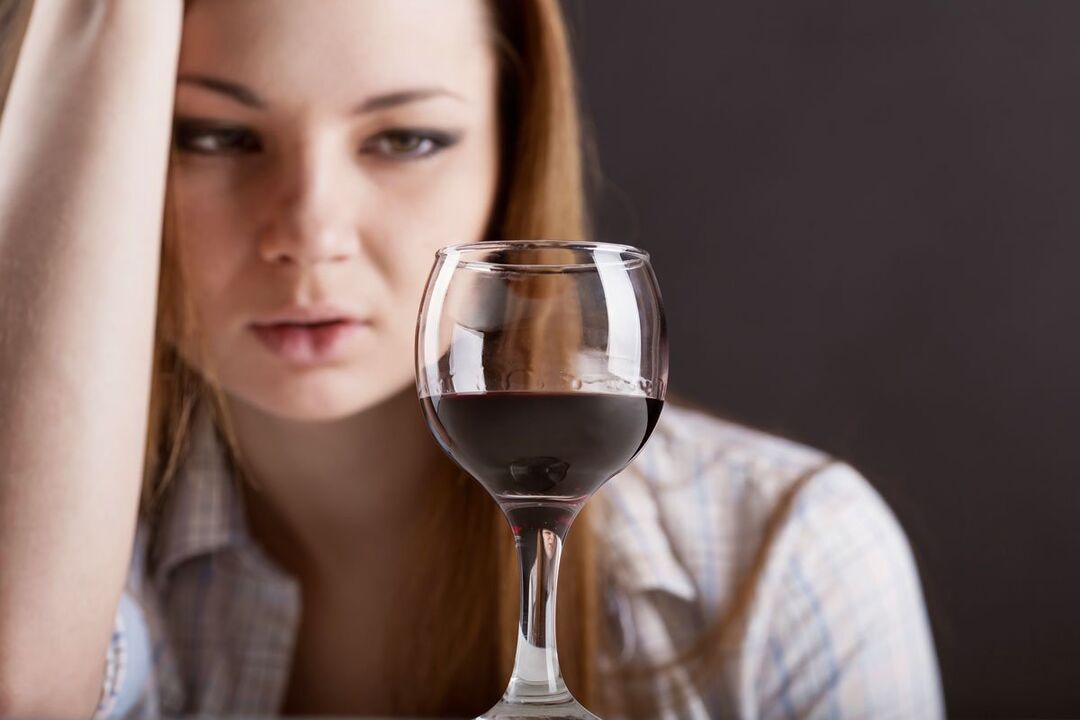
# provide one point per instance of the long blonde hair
(458, 656)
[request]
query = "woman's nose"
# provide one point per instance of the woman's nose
(312, 222)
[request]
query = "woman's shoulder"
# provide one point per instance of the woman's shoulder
(705, 496)
(690, 441)
(796, 544)
(699, 463)
(731, 469)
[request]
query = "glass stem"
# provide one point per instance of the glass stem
(536, 679)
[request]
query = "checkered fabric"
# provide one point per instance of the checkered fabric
(833, 625)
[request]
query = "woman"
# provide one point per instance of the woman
(301, 544)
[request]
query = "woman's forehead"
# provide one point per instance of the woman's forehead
(351, 48)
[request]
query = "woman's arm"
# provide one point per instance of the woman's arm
(83, 157)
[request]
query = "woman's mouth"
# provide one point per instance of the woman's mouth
(309, 343)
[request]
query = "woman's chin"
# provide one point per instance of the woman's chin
(312, 407)
(316, 402)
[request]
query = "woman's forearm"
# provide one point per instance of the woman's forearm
(83, 161)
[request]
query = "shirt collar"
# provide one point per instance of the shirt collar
(638, 546)
(203, 510)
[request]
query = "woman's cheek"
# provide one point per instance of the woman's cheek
(212, 251)
(209, 219)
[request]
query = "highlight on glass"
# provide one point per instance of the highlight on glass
(541, 369)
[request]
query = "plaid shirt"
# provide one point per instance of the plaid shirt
(835, 626)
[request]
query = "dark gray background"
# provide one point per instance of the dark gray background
(865, 223)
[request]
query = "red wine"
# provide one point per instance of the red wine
(547, 447)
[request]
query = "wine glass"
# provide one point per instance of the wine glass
(541, 369)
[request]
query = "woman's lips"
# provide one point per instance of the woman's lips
(309, 343)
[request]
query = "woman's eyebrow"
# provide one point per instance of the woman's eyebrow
(236, 91)
(248, 97)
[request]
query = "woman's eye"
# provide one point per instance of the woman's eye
(211, 140)
(408, 144)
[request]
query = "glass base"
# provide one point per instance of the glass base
(568, 709)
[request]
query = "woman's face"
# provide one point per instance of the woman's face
(325, 151)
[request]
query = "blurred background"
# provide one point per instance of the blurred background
(865, 221)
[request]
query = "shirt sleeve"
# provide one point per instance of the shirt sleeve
(129, 687)
(838, 627)
(114, 664)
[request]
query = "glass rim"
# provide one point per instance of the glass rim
(460, 249)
